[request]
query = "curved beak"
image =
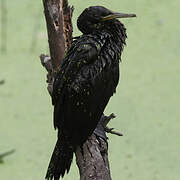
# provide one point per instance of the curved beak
(117, 15)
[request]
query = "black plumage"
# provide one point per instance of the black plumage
(88, 77)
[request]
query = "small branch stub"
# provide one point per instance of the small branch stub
(46, 61)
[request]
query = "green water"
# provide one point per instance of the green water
(146, 102)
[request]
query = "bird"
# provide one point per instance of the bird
(88, 77)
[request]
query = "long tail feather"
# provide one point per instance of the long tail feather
(61, 160)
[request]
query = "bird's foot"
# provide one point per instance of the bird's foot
(111, 131)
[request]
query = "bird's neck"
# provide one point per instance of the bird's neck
(116, 33)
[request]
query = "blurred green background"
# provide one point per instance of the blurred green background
(146, 102)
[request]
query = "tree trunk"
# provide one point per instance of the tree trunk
(92, 159)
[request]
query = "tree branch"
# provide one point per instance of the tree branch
(54, 22)
(6, 154)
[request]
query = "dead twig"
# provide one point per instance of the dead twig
(6, 154)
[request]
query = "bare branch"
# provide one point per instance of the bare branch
(6, 154)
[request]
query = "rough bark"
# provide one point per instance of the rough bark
(92, 158)
(54, 21)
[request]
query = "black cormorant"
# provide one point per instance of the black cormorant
(88, 77)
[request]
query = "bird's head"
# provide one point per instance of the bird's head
(96, 18)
